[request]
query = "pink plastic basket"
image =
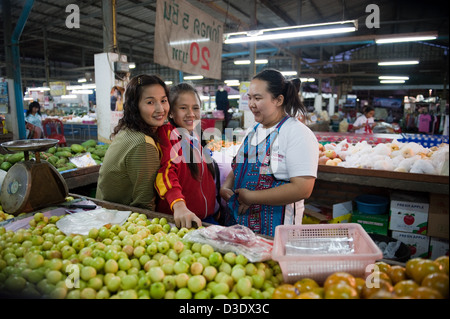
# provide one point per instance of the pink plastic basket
(318, 266)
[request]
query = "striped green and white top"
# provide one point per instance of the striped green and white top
(129, 169)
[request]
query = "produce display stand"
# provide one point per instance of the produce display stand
(377, 138)
(387, 179)
(353, 138)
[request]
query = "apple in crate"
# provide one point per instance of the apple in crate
(330, 154)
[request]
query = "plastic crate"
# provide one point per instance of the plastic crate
(320, 266)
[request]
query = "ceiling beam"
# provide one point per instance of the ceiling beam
(280, 13)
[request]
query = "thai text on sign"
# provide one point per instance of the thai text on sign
(187, 39)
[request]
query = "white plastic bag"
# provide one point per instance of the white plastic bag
(83, 160)
(80, 223)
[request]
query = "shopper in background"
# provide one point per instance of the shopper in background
(365, 123)
(276, 166)
(33, 121)
(131, 163)
(186, 179)
(223, 104)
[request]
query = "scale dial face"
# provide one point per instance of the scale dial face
(15, 188)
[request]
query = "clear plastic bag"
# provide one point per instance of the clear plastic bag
(320, 246)
(83, 160)
(237, 238)
(80, 223)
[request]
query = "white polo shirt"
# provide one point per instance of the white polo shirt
(294, 152)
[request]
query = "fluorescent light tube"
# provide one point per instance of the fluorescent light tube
(287, 73)
(82, 92)
(392, 81)
(82, 80)
(388, 63)
(257, 61)
(40, 88)
(405, 39)
(291, 32)
(69, 96)
(88, 86)
(393, 77)
(193, 77)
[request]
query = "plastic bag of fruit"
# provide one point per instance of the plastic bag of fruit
(237, 238)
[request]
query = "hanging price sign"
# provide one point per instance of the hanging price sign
(187, 39)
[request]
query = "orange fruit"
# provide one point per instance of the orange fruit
(437, 281)
(425, 293)
(443, 261)
(424, 268)
(306, 284)
(338, 277)
(320, 291)
(341, 290)
(375, 287)
(381, 275)
(360, 283)
(411, 265)
(405, 287)
(397, 273)
(382, 266)
(285, 291)
(309, 295)
(382, 294)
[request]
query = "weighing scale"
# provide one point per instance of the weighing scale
(31, 184)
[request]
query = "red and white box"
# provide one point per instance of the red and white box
(418, 244)
(409, 213)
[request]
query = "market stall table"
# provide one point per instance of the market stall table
(81, 176)
(387, 179)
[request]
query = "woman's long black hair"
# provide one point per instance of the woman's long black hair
(34, 104)
(132, 118)
(175, 92)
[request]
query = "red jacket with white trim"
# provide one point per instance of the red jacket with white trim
(174, 180)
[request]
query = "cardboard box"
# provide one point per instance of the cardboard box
(315, 213)
(409, 213)
(372, 224)
(418, 244)
(438, 216)
(438, 247)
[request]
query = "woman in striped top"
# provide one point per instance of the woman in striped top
(132, 161)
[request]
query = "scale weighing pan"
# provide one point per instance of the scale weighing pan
(31, 185)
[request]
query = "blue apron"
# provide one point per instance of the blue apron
(253, 172)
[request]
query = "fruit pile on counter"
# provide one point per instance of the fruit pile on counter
(396, 156)
(418, 279)
(150, 258)
(143, 258)
(60, 157)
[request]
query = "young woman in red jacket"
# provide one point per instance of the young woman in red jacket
(186, 180)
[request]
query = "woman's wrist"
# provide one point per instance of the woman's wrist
(177, 203)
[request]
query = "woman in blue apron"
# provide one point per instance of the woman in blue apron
(276, 165)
